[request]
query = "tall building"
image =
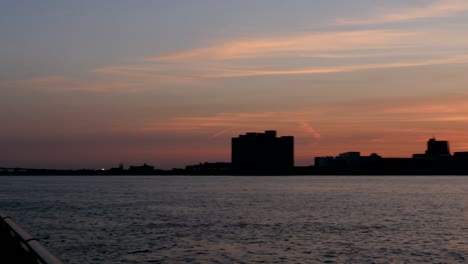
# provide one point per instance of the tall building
(437, 148)
(263, 151)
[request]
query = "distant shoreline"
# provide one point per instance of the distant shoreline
(168, 174)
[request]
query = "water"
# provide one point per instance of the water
(244, 219)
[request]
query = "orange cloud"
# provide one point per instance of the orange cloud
(223, 121)
(339, 69)
(338, 52)
(67, 83)
(367, 112)
(136, 78)
(308, 45)
(308, 127)
(444, 8)
(246, 57)
(389, 126)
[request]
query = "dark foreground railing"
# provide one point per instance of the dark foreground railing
(18, 246)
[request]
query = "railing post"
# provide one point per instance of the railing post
(18, 246)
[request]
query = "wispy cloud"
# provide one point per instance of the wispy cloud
(249, 57)
(309, 129)
(384, 110)
(133, 78)
(303, 54)
(441, 8)
(219, 133)
(120, 79)
(219, 121)
(321, 44)
(338, 69)
(60, 83)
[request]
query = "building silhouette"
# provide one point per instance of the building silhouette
(461, 155)
(435, 149)
(437, 160)
(263, 151)
(347, 163)
(144, 169)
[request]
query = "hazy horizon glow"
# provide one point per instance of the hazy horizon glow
(92, 84)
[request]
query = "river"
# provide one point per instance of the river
(219, 219)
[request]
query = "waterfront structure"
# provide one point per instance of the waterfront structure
(436, 160)
(347, 163)
(461, 155)
(144, 169)
(262, 151)
(267, 154)
(210, 168)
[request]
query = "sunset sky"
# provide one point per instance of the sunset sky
(94, 83)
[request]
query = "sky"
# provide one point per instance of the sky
(91, 84)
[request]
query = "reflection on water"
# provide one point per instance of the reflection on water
(244, 219)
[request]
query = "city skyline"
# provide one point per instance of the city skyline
(92, 84)
(263, 153)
